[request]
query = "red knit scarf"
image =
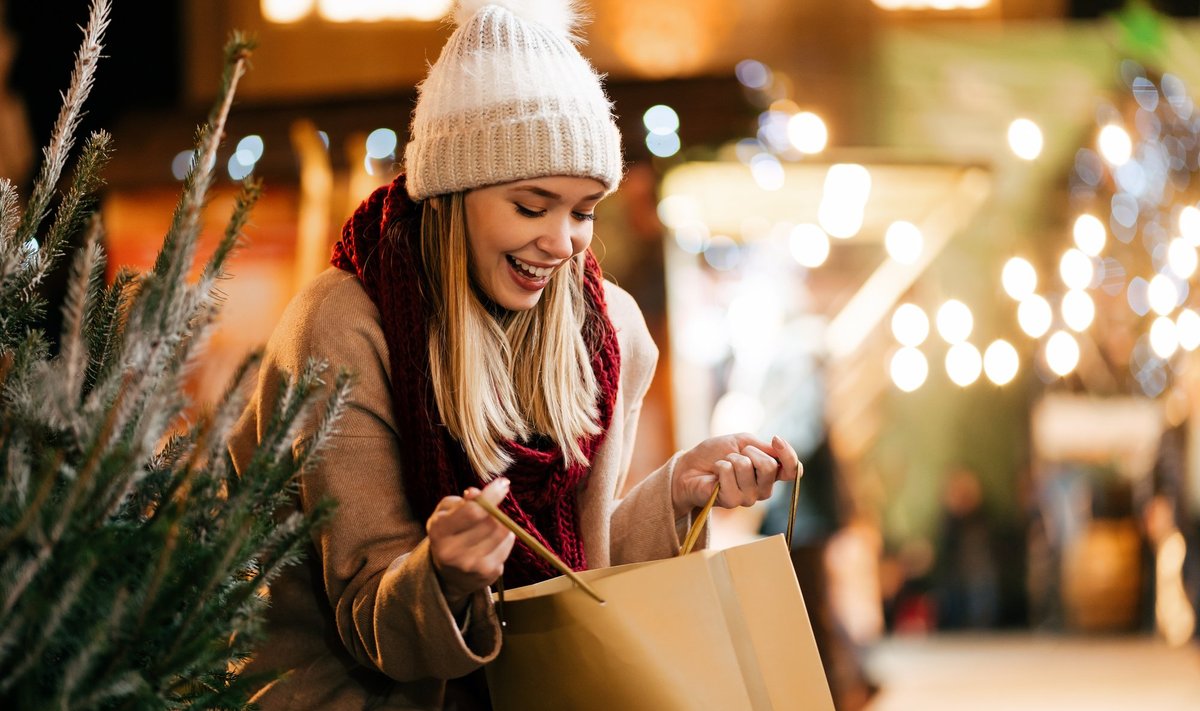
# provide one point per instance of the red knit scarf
(381, 245)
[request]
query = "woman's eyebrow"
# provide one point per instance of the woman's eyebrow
(542, 192)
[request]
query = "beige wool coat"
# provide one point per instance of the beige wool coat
(362, 623)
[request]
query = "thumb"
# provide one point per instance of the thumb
(700, 488)
(495, 491)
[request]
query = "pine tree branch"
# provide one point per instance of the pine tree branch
(247, 197)
(52, 622)
(63, 137)
(82, 287)
(81, 197)
(180, 242)
(12, 252)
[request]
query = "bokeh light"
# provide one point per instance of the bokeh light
(954, 321)
(1025, 139)
(1076, 269)
(1000, 362)
(1062, 353)
(1090, 235)
(904, 242)
(661, 119)
(1187, 328)
(807, 132)
(1078, 310)
(1115, 144)
(1019, 278)
(663, 145)
(1164, 338)
(1181, 258)
(285, 11)
(1189, 225)
(1034, 316)
(753, 74)
(1163, 294)
(809, 245)
(963, 364)
(910, 325)
(381, 143)
(909, 369)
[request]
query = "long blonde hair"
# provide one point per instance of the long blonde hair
(512, 376)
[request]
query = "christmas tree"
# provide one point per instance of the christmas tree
(133, 558)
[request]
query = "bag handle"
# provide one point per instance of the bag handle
(543, 552)
(693, 533)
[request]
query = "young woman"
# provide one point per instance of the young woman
(493, 361)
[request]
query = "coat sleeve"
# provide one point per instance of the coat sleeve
(643, 525)
(374, 556)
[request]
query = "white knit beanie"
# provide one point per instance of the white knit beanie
(510, 98)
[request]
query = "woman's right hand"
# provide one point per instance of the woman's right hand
(469, 547)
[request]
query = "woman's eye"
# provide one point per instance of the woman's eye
(584, 216)
(526, 212)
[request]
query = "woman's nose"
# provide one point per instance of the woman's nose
(558, 240)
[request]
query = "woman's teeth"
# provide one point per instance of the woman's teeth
(529, 269)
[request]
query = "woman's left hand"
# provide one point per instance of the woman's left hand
(745, 466)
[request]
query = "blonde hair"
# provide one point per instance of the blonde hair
(510, 376)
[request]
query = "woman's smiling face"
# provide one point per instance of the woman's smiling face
(521, 233)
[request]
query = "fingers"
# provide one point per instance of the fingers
(791, 468)
(495, 491)
(738, 487)
(766, 471)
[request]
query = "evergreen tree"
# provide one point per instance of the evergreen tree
(133, 559)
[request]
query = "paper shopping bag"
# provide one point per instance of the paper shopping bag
(723, 630)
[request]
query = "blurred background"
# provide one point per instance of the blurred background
(944, 247)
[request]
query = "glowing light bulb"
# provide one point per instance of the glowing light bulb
(1000, 362)
(904, 242)
(910, 325)
(1163, 294)
(1164, 338)
(1019, 278)
(1189, 225)
(1187, 327)
(954, 321)
(1076, 269)
(285, 11)
(1181, 258)
(1034, 316)
(1078, 310)
(1062, 353)
(1090, 235)
(1115, 144)
(809, 245)
(1025, 139)
(963, 364)
(909, 369)
(807, 132)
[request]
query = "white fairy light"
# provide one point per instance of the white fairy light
(1034, 316)
(1019, 278)
(1078, 310)
(910, 325)
(1000, 362)
(1062, 353)
(909, 369)
(954, 321)
(1090, 235)
(963, 364)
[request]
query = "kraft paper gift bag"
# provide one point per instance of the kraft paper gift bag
(723, 630)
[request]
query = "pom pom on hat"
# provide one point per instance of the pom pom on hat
(561, 16)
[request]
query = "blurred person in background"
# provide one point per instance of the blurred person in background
(965, 576)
